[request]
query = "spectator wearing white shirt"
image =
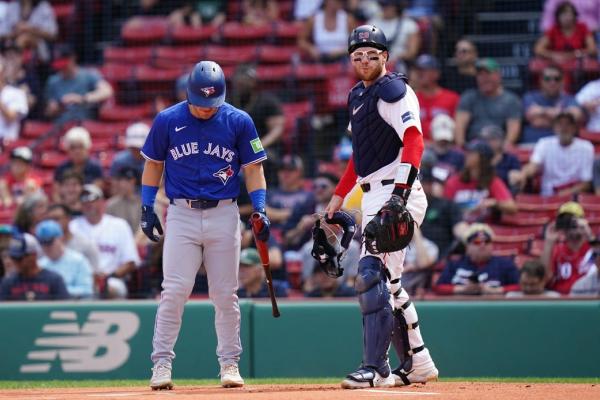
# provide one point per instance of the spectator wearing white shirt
(589, 98)
(113, 236)
(565, 161)
(13, 108)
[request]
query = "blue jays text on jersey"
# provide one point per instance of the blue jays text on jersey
(203, 157)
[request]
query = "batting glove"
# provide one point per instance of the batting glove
(149, 222)
(264, 233)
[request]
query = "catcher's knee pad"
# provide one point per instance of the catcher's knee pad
(373, 293)
(402, 342)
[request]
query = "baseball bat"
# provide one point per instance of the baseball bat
(263, 252)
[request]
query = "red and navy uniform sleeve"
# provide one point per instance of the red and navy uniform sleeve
(157, 142)
(248, 143)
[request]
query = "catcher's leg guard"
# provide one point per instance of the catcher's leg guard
(416, 364)
(373, 297)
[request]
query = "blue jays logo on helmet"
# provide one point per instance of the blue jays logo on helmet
(224, 174)
(206, 85)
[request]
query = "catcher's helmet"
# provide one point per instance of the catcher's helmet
(367, 36)
(328, 248)
(206, 85)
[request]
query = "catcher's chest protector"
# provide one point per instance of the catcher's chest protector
(374, 142)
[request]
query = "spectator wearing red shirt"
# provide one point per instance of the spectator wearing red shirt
(433, 99)
(567, 253)
(476, 189)
(478, 271)
(567, 38)
(20, 181)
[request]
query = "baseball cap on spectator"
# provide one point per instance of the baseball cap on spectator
(127, 173)
(566, 115)
(77, 135)
(48, 230)
(571, 207)
(481, 147)
(249, 256)
(427, 61)
(21, 245)
(136, 135)
(478, 231)
(291, 162)
(90, 193)
(6, 229)
(489, 64)
(491, 132)
(22, 153)
(62, 57)
(442, 128)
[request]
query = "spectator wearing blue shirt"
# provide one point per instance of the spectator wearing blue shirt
(78, 143)
(478, 271)
(252, 277)
(30, 282)
(448, 158)
(542, 106)
(74, 268)
(506, 164)
(135, 137)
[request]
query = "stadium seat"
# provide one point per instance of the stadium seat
(144, 30)
(523, 154)
(274, 77)
(269, 54)
(176, 57)
(524, 218)
(128, 55)
(589, 202)
(117, 72)
(34, 129)
(154, 82)
(537, 203)
(231, 55)
(189, 34)
(286, 33)
(52, 159)
(110, 111)
(99, 129)
(593, 137)
(529, 231)
(238, 33)
(7, 215)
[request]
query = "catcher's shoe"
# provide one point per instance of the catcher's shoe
(161, 376)
(365, 378)
(230, 376)
(417, 375)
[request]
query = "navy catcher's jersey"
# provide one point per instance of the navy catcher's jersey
(203, 157)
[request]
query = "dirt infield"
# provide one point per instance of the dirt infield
(440, 390)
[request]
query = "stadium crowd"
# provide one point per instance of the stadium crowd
(510, 170)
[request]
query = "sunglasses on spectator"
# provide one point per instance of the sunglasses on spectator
(480, 242)
(479, 238)
(322, 185)
(555, 78)
(372, 55)
(463, 50)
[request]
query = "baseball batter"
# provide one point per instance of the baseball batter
(200, 145)
(387, 146)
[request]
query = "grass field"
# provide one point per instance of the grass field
(262, 381)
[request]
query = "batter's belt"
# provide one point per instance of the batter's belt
(201, 204)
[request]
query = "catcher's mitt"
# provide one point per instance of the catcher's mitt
(391, 229)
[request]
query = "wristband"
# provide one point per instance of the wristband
(406, 176)
(149, 195)
(259, 198)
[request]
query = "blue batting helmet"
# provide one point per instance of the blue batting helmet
(206, 85)
(367, 36)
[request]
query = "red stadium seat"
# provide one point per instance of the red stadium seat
(268, 54)
(529, 231)
(523, 154)
(238, 33)
(34, 129)
(231, 55)
(286, 33)
(128, 55)
(534, 202)
(176, 57)
(117, 72)
(99, 129)
(593, 137)
(144, 30)
(115, 112)
(52, 159)
(589, 202)
(156, 82)
(189, 34)
(523, 218)
(273, 77)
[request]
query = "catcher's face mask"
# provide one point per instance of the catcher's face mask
(332, 238)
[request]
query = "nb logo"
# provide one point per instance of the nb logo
(99, 345)
(178, 128)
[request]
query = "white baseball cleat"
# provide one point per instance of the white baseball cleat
(417, 375)
(366, 378)
(230, 376)
(161, 376)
